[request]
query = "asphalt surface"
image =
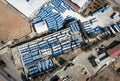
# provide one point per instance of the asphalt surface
(82, 58)
(10, 72)
(6, 75)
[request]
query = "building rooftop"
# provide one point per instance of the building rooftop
(75, 6)
(114, 51)
(80, 3)
(27, 8)
(41, 27)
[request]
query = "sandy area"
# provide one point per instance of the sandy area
(12, 25)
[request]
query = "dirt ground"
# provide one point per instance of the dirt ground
(116, 64)
(12, 25)
(108, 74)
(75, 72)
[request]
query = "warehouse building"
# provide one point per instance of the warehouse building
(110, 55)
(103, 59)
(51, 14)
(41, 28)
(114, 52)
(80, 3)
(74, 5)
(36, 56)
(27, 7)
(94, 6)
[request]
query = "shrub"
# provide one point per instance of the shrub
(2, 42)
(2, 64)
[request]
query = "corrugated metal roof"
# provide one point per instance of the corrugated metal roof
(80, 3)
(76, 7)
(114, 51)
(27, 8)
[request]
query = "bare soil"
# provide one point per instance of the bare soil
(108, 74)
(116, 64)
(12, 24)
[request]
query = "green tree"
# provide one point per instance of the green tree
(2, 42)
(2, 64)
(27, 37)
(101, 78)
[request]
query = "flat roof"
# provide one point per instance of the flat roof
(80, 3)
(27, 8)
(41, 27)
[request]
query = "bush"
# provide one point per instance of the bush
(2, 42)
(86, 48)
(94, 44)
(61, 60)
(92, 35)
(92, 60)
(27, 37)
(2, 64)
(101, 78)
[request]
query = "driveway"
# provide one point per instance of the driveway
(75, 72)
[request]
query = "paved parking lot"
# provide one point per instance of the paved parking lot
(81, 59)
(76, 72)
(103, 18)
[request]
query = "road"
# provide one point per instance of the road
(6, 75)
(10, 69)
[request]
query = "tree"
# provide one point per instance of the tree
(2, 42)
(2, 64)
(27, 37)
(91, 59)
(101, 78)
(61, 60)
